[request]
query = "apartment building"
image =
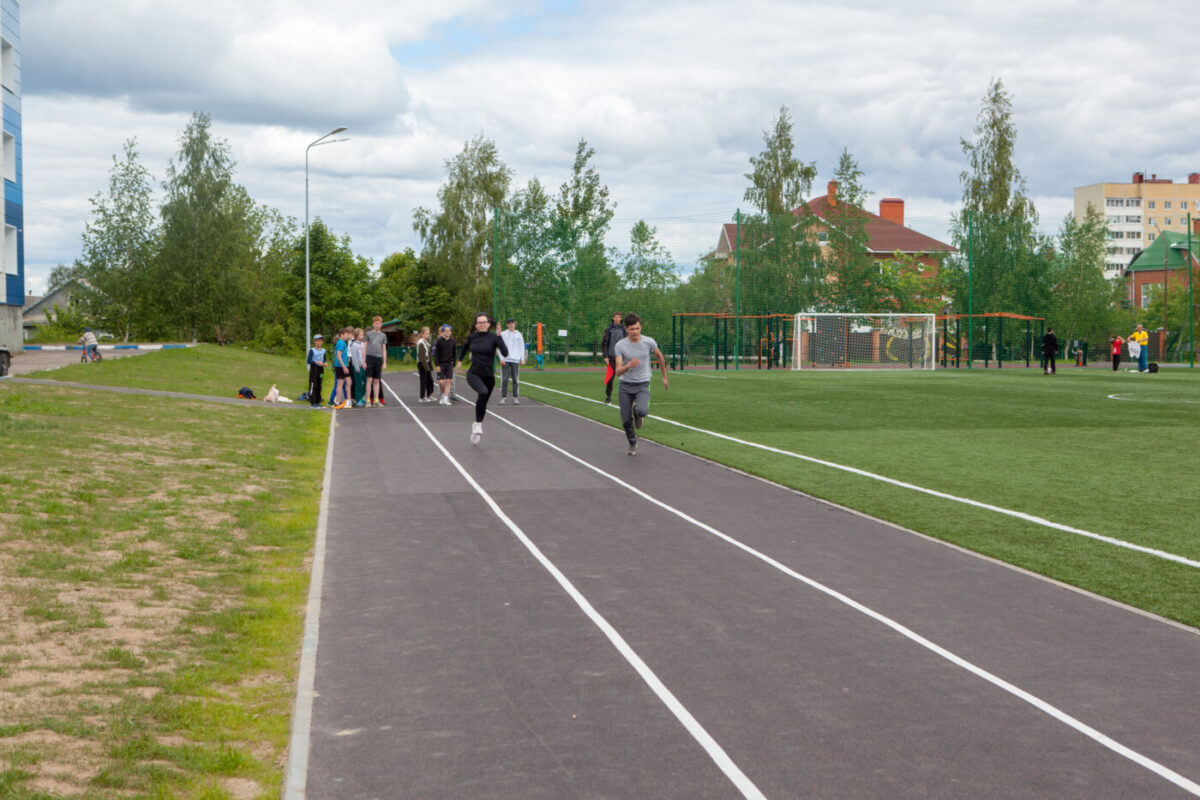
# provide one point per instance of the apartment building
(12, 244)
(1139, 212)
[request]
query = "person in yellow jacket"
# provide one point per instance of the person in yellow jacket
(1143, 339)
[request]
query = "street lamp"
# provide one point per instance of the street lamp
(1190, 261)
(307, 300)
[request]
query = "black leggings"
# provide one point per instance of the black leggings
(483, 385)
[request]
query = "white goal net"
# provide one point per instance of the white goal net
(864, 341)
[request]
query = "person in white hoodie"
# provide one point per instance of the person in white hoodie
(510, 365)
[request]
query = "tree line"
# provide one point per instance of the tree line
(208, 263)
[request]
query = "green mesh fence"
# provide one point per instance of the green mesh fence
(721, 292)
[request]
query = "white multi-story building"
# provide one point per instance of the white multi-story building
(1139, 212)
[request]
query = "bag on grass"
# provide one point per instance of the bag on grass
(272, 395)
(245, 393)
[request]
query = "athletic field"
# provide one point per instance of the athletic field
(543, 616)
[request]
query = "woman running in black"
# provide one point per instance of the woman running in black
(482, 344)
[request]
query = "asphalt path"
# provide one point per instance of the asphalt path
(542, 616)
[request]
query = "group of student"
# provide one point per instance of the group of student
(627, 352)
(359, 358)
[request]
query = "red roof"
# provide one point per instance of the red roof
(884, 237)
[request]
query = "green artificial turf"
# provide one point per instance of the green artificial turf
(1057, 447)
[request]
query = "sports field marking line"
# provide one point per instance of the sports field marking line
(1053, 711)
(689, 722)
(1154, 400)
(297, 768)
(903, 485)
(698, 375)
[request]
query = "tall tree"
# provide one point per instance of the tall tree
(457, 237)
(853, 278)
(997, 226)
(778, 255)
(581, 218)
(778, 181)
(992, 184)
(340, 281)
(1083, 301)
(200, 238)
(118, 248)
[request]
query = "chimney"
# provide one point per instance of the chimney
(892, 209)
(1138, 177)
(831, 193)
(1194, 177)
(1153, 177)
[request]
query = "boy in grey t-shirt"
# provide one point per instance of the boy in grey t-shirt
(376, 361)
(633, 366)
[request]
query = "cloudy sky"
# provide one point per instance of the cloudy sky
(674, 97)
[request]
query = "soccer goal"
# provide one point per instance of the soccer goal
(864, 341)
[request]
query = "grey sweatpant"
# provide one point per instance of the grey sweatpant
(635, 399)
(509, 369)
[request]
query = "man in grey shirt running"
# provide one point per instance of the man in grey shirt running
(633, 366)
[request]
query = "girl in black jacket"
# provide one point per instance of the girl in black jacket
(482, 343)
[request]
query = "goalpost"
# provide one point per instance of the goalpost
(864, 341)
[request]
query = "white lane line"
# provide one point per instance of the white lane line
(1058, 714)
(1169, 400)
(690, 723)
(904, 485)
(297, 771)
(699, 375)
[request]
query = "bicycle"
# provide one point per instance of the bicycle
(95, 356)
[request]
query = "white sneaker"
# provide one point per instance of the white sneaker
(503, 401)
(476, 432)
(516, 401)
(445, 401)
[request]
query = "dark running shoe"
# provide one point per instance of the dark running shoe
(637, 421)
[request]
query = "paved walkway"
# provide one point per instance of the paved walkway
(542, 616)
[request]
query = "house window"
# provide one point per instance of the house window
(1183, 205)
(1112, 201)
(1150, 237)
(1167, 205)
(823, 237)
(1166, 220)
(1135, 219)
(1151, 204)
(1151, 221)
(1136, 202)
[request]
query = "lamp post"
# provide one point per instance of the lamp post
(1191, 267)
(307, 299)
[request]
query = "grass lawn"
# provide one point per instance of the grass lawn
(153, 573)
(204, 369)
(1056, 447)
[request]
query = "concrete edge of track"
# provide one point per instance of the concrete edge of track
(296, 778)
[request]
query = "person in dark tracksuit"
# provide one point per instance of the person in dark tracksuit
(612, 334)
(316, 369)
(1049, 351)
(482, 343)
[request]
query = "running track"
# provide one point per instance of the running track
(541, 630)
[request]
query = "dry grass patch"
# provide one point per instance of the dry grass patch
(152, 584)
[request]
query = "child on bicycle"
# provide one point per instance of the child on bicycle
(88, 340)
